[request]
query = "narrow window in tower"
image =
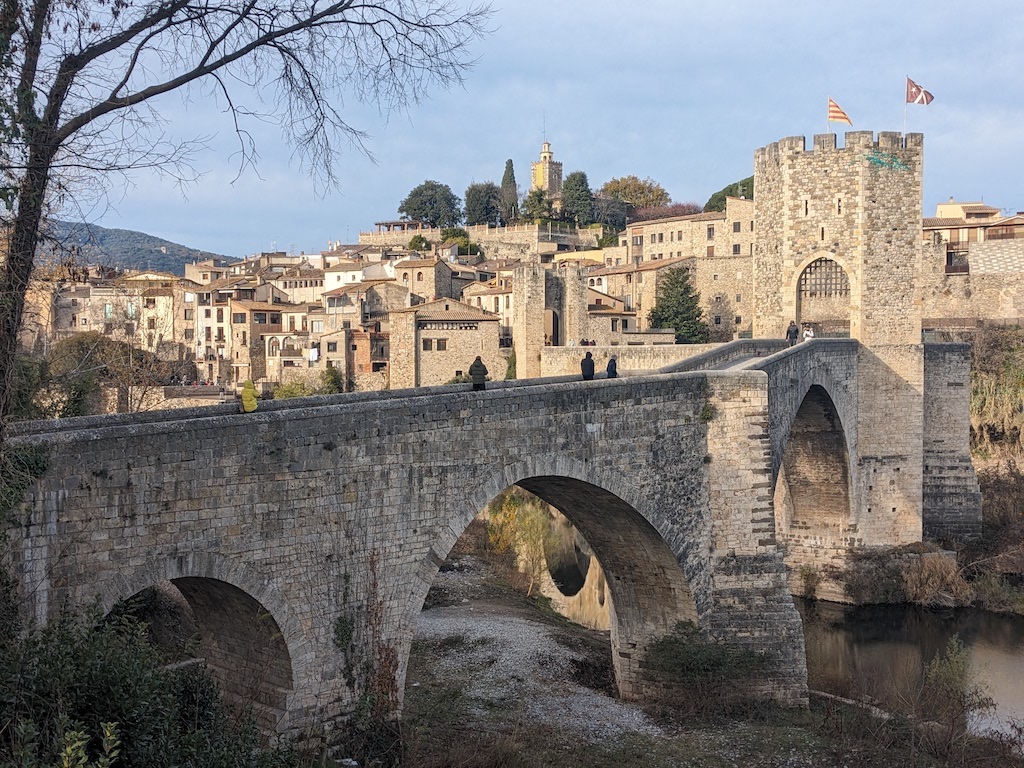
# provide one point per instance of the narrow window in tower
(807, 208)
(823, 234)
(839, 205)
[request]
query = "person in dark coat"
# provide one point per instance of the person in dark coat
(613, 368)
(792, 333)
(587, 366)
(478, 373)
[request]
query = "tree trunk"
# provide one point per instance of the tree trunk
(16, 270)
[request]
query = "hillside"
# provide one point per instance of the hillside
(122, 248)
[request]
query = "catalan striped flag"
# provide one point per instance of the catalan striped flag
(836, 114)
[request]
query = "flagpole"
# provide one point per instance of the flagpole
(905, 113)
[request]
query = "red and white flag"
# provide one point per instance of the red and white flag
(916, 94)
(836, 114)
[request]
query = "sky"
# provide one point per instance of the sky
(676, 91)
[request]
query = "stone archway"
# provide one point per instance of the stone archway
(246, 634)
(814, 513)
(823, 297)
(647, 588)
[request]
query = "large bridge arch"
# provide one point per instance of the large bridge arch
(648, 581)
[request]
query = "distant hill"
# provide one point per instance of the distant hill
(123, 248)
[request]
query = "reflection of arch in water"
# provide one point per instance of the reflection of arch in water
(242, 637)
(812, 493)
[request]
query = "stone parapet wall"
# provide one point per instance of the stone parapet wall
(630, 359)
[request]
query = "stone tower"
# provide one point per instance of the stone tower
(839, 236)
(546, 173)
(839, 247)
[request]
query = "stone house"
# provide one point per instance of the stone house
(301, 284)
(432, 343)
(708, 235)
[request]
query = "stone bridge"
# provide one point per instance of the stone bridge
(304, 537)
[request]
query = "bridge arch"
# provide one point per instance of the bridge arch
(813, 487)
(248, 636)
(646, 580)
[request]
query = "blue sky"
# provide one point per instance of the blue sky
(680, 92)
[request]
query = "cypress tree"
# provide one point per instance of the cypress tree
(509, 196)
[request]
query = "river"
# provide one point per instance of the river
(881, 651)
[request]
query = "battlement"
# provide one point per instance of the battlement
(826, 142)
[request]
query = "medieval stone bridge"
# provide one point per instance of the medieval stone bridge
(304, 537)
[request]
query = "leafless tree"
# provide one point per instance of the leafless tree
(81, 81)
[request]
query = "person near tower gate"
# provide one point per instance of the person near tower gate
(587, 366)
(792, 333)
(478, 373)
(613, 368)
(808, 332)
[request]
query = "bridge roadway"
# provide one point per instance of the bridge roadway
(304, 537)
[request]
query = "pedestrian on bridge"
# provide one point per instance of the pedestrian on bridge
(808, 332)
(613, 368)
(478, 373)
(587, 367)
(792, 333)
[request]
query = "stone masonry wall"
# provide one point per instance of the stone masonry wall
(340, 509)
(951, 495)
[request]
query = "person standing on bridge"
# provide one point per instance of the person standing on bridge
(792, 333)
(613, 368)
(808, 332)
(587, 366)
(478, 373)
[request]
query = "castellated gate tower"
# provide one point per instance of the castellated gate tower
(839, 247)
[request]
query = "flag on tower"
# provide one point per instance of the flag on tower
(836, 114)
(916, 94)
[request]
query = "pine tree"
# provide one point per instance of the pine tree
(509, 196)
(678, 307)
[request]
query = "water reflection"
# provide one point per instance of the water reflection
(880, 651)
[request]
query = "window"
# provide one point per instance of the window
(739, 298)
(130, 311)
(823, 234)
(405, 277)
(150, 303)
(220, 315)
(238, 317)
(736, 249)
(679, 235)
(711, 251)
(149, 340)
(661, 237)
(190, 314)
(442, 345)
(108, 311)
(737, 226)
(355, 347)
(711, 233)
(259, 318)
(332, 346)
(738, 319)
(244, 340)
(317, 326)
(714, 277)
(275, 318)
(206, 314)
(718, 320)
(751, 225)
(419, 277)
(189, 334)
(807, 208)
(639, 277)
(839, 205)
(151, 325)
(85, 321)
(718, 299)
(428, 345)
(209, 333)
(625, 324)
(615, 324)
